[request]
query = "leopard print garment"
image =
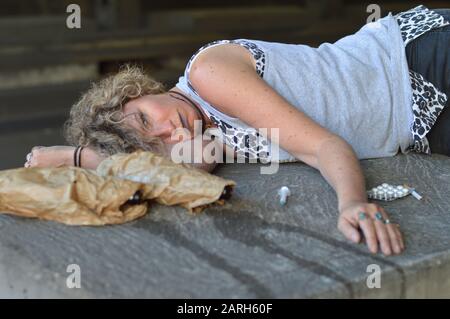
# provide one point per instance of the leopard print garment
(249, 144)
(427, 101)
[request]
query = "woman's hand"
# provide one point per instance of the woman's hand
(52, 156)
(375, 226)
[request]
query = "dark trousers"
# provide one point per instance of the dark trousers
(429, 55)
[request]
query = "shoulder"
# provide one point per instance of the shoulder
(215, 72)
(224, 53)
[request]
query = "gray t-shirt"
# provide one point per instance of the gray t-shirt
(357, 87)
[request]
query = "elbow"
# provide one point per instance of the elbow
(333, 142)
(334, 147)
(322, 149)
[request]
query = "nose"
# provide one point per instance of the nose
(163, 129)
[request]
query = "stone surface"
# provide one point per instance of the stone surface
(249, 248)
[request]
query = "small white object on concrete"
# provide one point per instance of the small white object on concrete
(415, 194)
(284, 192)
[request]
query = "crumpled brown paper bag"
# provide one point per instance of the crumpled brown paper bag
(167, 182)
(68, 195)
(76, 196)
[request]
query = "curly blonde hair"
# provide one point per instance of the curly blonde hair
(97, 119)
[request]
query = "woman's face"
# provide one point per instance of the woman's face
(159, 115)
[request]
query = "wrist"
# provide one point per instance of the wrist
(77, 156)
(343, 204)
(90, 158)
(68, 156)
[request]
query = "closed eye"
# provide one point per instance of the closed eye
(144, 120)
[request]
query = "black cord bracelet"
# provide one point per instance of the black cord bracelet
(77, 156)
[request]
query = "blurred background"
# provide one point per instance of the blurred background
(45, 66)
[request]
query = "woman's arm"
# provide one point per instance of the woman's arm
(232, 85)
(339, 165)
(62, 155)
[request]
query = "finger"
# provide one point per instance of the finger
(368, 229)
(26, 164)
(392, 234)
(395, 240)
(349, 231)
(382, 234)
(399, 235)
(31, 162)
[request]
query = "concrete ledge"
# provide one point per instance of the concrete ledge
(249, 248)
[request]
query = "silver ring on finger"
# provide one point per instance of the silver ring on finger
(389, 222)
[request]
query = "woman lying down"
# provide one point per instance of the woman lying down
(369, 95)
